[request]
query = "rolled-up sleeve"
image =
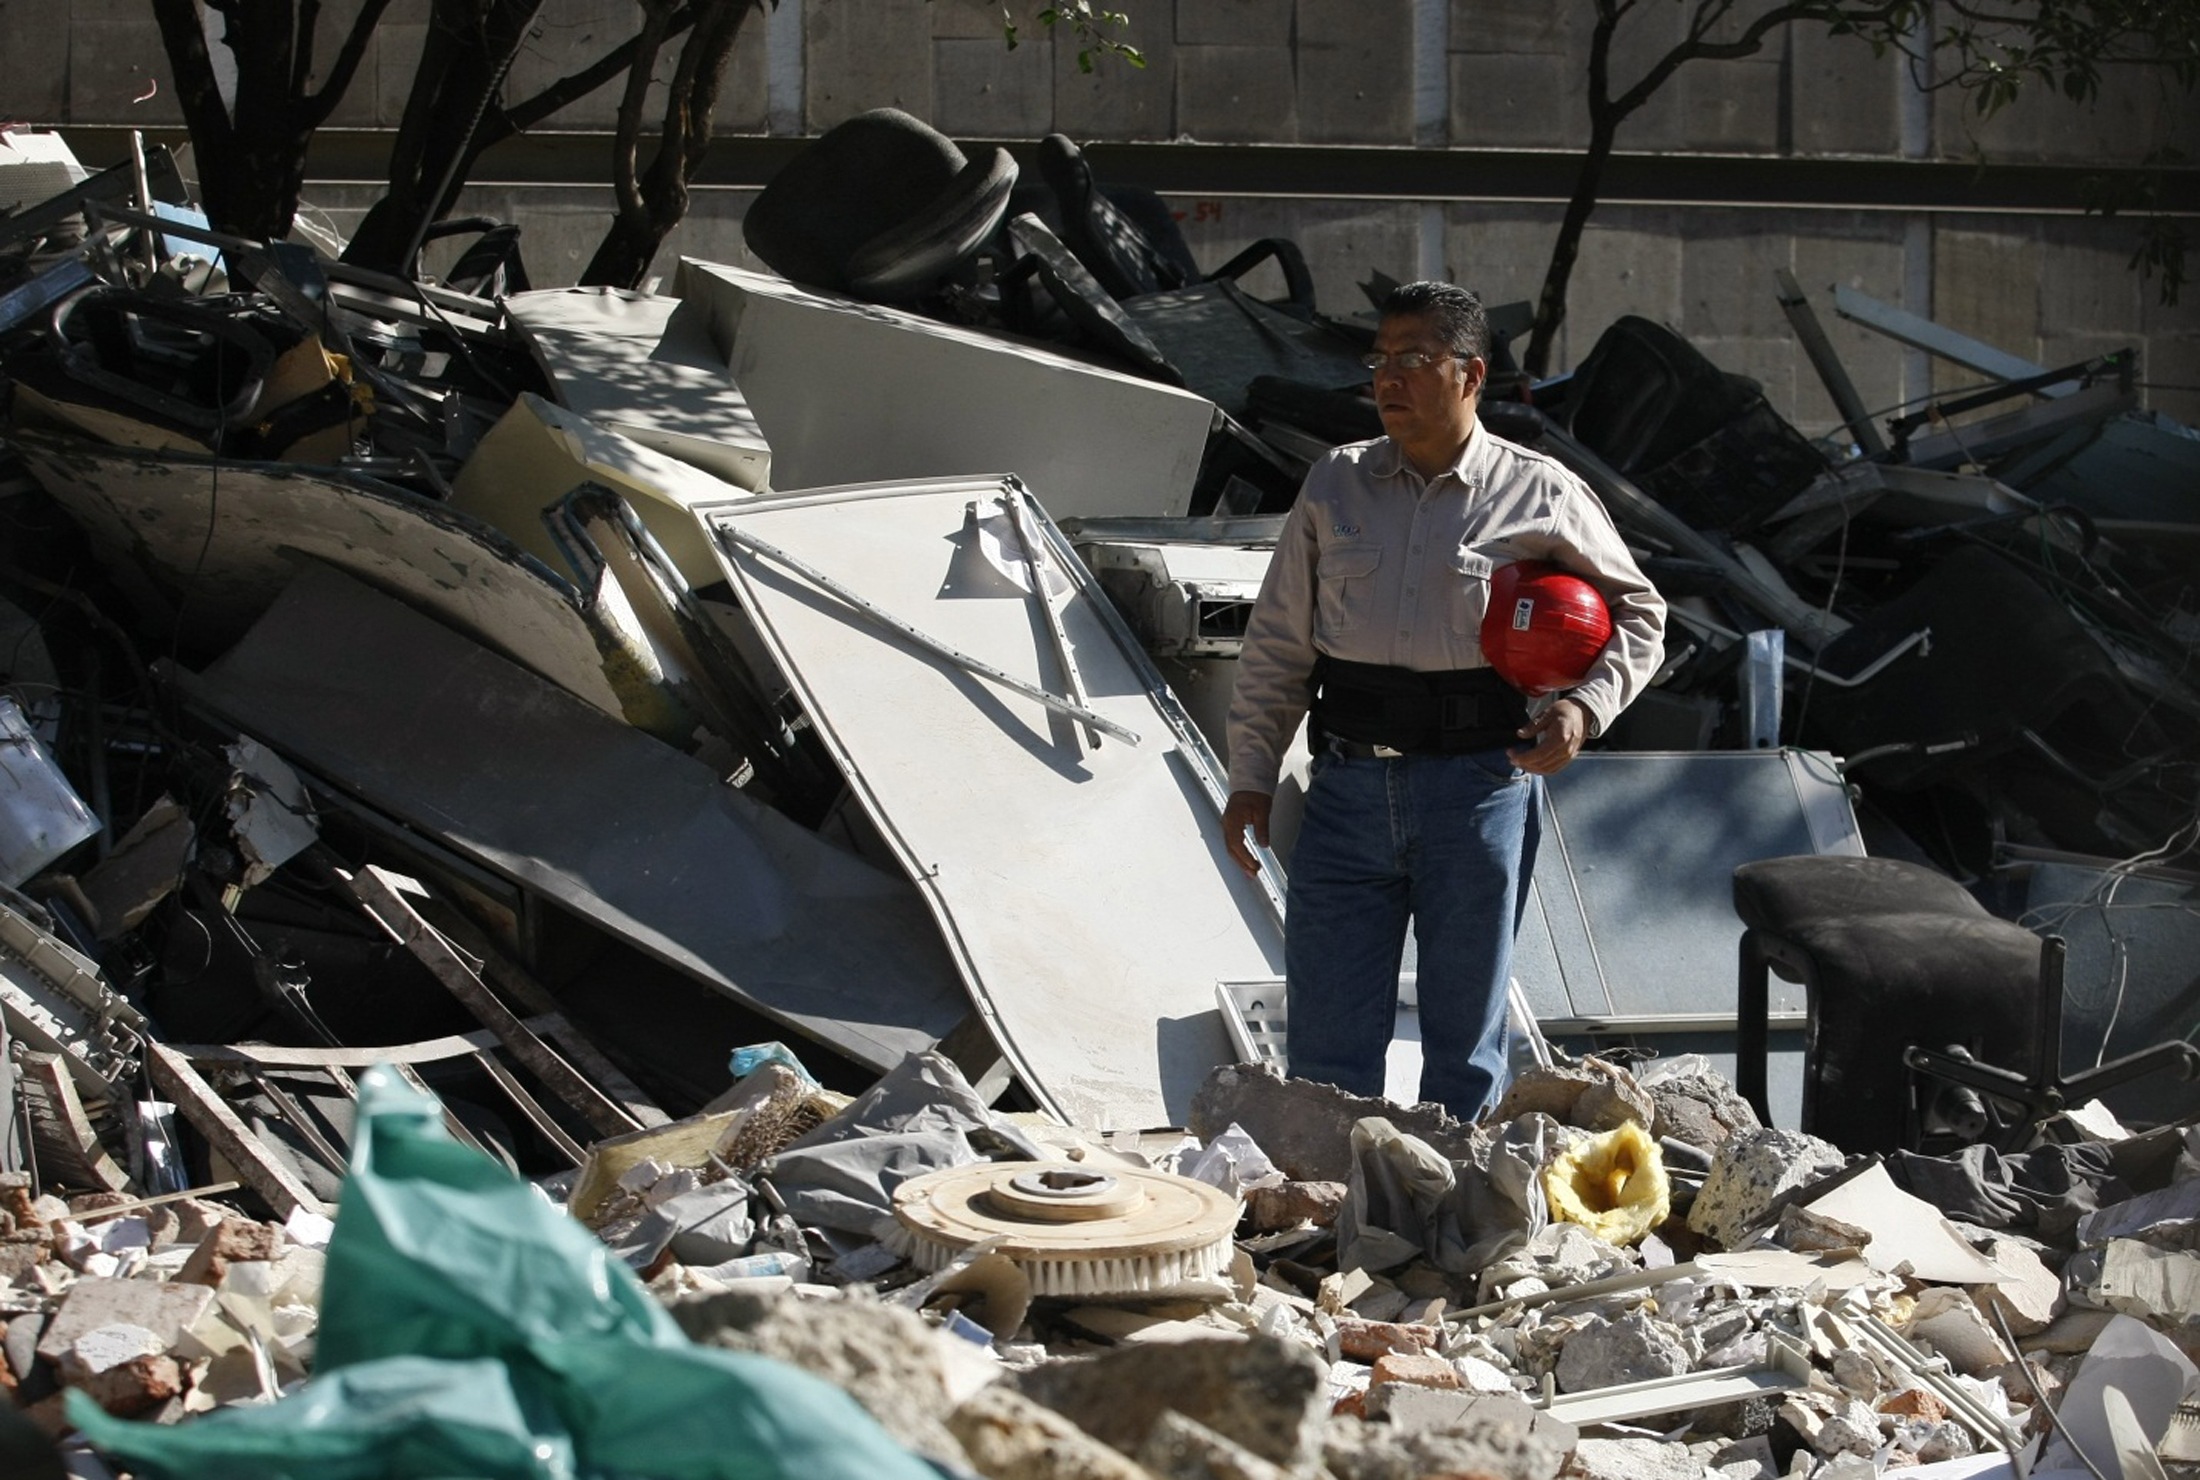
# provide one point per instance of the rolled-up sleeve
(1276, 664)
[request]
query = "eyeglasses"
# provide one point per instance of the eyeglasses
(1409, 359)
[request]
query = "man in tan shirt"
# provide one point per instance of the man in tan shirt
(1426, 784)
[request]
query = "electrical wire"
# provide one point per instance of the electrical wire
(2033, 1382)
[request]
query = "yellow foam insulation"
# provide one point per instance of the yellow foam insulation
(1614, 1185)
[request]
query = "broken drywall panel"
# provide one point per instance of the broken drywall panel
(1908, 1233)
(645, 843)
(1083, 887)
(645, 366)
(537, 453)
(851, 392)
(203, 547)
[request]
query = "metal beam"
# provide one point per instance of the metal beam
(1856, 419)
(1908, 328)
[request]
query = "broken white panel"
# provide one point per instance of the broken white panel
(645, 366)
(34, 168)
(1909, 1234)
(852, 392)
(1187, 600)
(270, 816)
(537, 453)
(1083, 889)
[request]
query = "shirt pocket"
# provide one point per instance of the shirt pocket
(1467, 594)
(1346, 574)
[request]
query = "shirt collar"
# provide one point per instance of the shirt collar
(1389, 459)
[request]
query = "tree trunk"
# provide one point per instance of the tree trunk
(654, 201)
(1550, 307)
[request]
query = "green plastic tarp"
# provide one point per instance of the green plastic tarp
(470, 1328)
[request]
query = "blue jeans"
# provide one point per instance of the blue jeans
(1447, 841)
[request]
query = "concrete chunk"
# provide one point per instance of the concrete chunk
(1634, 1348)
(1265, 1394)
(1306, 1128)
(231, 1241)
(165, 1309)
(1179, 1449)
(1007, 1436)
(1753, 1176)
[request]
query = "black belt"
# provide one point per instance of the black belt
(1355, 751)
(1399, 710)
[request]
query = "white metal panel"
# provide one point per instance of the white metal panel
(850, 392)
(645, 365)
(1083, 890)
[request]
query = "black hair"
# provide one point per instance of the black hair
(1455, 313)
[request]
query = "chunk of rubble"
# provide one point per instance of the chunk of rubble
(1306, 1128)
(1632, 1459)
(1180, 1449)
(1483, 1447)
(1700, 1110)
(1753, 1177)
(1007, 1436)
(1266, 1394)
(1273, 1209)
(1592, 1095)
(884, 1357)
(1634, 1348)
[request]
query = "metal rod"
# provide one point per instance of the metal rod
(1855, 418)
(727, 534)
(1013, 501)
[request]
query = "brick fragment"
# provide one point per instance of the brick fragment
(1422, 1369)
(1915, 1403)
(1366, 1340)
(232, 1241)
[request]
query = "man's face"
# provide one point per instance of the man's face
(1434, 403)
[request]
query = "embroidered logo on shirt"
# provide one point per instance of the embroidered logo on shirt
(1344, 531)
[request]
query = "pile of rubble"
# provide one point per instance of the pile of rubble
(1724, 1301)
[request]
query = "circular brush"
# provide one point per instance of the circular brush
(1073, 1230)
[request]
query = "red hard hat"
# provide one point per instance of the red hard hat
(1544, 627)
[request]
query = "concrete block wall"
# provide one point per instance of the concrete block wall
(1458, 75)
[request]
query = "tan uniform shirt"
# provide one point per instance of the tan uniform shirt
(1377, 566)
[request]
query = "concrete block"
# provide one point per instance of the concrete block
(38, 60)
(1268, 1395)
(857, 58)
(162, 1308)
(1343, 241)
(1754, 1175)
(1519, 100)
(744, 97)
(1233, 22)
(982, 90)
(1355, 71)
(1729, 106)
(1116, 100)
(1593, 1095)
(969, 20)
(2170, 369)
(1632, 261)
(1642, 39)
(398, 42)
(1497, 26)
(2041, 125)
(1844, 99)
(1864, 253)
(1985, 284)
(1728, 287)
(2086, 288)
(1499, 251)
(116, 58)
(1236, 94)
